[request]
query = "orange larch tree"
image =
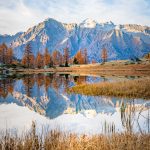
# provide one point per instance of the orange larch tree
(47, 57)
(104, 55)
(3, 53)
(57, 57)
(6, 54)
(79, 56)
(39, 60)
(9, 56)
(66, 56)
(28, 57)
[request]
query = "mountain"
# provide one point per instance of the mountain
(8, 38)
(121, 41)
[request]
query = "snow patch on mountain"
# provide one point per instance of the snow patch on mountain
(88, 23)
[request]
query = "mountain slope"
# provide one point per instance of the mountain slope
(8, 38)
(121, 41)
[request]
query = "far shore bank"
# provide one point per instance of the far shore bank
(97, 69)
(117, 68)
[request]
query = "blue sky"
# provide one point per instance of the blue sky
(19, 15)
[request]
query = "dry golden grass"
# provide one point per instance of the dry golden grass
(55, 140)
(122, 67)
(138, 88)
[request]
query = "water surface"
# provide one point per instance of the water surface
(43, 98)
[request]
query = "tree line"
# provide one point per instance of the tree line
(46, 59)
(30, 61)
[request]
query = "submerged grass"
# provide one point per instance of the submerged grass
(55, 140)
(138, 88)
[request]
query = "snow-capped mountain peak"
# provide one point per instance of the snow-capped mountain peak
(106, 22)
(88, 23)
(121, 41)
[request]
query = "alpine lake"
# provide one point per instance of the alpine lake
(44, 99)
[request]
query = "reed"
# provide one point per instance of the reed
(55, 140)
(138, 88)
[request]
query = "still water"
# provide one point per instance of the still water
(43, 98)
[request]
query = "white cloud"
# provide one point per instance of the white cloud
(20, 15)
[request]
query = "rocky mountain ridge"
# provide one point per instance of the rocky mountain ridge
(121, 41)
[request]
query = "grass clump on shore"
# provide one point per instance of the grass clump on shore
(55, 140)
(138, 88)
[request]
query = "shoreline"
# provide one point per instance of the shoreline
(96, 69)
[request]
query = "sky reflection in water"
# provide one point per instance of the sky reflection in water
(43, 98)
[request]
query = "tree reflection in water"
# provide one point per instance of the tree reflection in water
(6, 87)
(45, 94)
(41, 80)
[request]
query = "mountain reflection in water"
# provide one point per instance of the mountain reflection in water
(46, 94)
